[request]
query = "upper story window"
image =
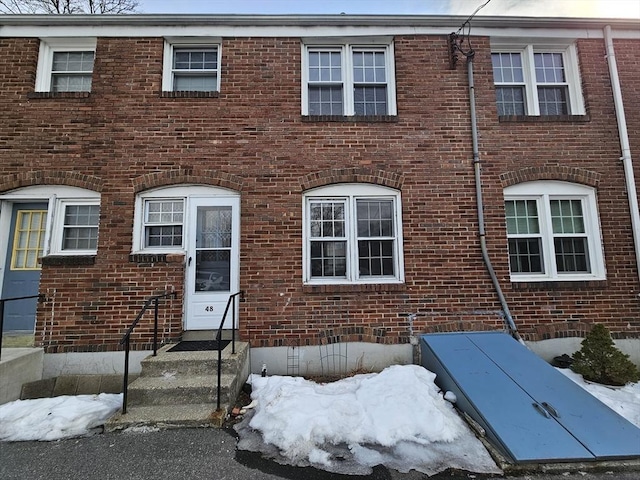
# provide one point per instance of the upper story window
(348, 79)
(352, 234)
(537, 80)
(553, 232)
(191, 66)
(65, 65)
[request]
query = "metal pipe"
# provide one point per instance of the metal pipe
(1, 324)
(480, 206)
(624, 144)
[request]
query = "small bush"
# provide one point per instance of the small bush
(600, 361)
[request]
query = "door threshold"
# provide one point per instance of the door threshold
(194, 335)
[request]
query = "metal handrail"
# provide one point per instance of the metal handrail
(127, 337)
(230, 302)
(40, 298)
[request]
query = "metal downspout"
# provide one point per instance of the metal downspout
(476, 165)
(624, 144)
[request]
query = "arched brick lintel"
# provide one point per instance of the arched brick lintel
(48, 177)
(187, 175)
(351, 175)
(562, 173)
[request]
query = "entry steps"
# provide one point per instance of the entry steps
(529, 410)
(180, 388)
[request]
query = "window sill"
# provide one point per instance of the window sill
(354, 288)
(559, 285)
(64, 260)
(351, 119)
(190, 94)
(50, 95)
(544, 118)
(149, 258)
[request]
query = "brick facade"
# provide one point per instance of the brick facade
(127, 137)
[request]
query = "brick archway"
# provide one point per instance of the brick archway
(178, 176)
(47, 177)
(351, 175)
(562, 173)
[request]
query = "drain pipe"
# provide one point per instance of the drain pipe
(624, 143)
(480, 206)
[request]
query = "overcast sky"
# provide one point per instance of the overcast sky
(547, 8)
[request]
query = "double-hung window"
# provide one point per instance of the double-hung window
(163, 223)
(348, 79)
(353, 235)
(65, 65)
(79, 229)
(191, 67)
(553, 232)
(537, 80)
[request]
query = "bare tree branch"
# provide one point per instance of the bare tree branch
(69, 7)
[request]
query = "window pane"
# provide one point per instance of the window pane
(325, 66)
(169, 236)
(29, 239)
(328, 259)
(72, 62)
(195, 59)
(572, 255)
(375, 218)
(566, 216)
(510, 100)
(325, 100)
(369, 67)
(549, 67)
(375, 258)
(370, 100)
(522, 217)
(195, 83)
(553, 100)
(327, 219)
(70, 83)
(525, 255)
(507, 67)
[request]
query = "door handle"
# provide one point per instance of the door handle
(549, 408)
(540, 409)
(189, 262)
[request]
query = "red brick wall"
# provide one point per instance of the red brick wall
(126, 137)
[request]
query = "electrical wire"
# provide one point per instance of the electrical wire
(467, 36)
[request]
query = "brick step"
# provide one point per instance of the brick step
(177, 390)
(193, 363)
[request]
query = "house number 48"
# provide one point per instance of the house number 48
(209, 308)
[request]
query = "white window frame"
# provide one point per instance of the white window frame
(349, 193)
(575, 102)
(57, 236)
(48, 47)
(542, 192)
(171, 43)
(346, 47)
(182, 192)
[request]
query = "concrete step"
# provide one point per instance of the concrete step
(163, 416)
(193, 363)
(177, 390)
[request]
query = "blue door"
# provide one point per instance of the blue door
(22, 267)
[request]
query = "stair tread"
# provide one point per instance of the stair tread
(202, 414)
(142, 383)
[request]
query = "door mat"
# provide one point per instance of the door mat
(199, 345)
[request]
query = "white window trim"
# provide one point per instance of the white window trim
(49, 46)
(199, 42)
(176, 192)
(57, 230)
(349, 192)
(346, 47)
(542, 192)
(571, 70)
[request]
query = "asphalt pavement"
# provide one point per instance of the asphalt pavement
(198, 453)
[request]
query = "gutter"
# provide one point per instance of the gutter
(624, 144)
(513, 330)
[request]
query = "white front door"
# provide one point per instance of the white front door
(212, 261)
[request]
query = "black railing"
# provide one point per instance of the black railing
(230, 303)
(40, 298)
(127, 337)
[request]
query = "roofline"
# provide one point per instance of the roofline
(452, 21)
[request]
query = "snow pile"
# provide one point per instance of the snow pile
(58, 417)
(397, 418)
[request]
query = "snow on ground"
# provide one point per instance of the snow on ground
(397, 418)
(57, 417)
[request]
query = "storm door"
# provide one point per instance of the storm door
(212, 261)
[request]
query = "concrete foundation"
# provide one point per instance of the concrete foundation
(96, 363)
(548, 349)
(19, 366)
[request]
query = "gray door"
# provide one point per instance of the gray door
(22, 267)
